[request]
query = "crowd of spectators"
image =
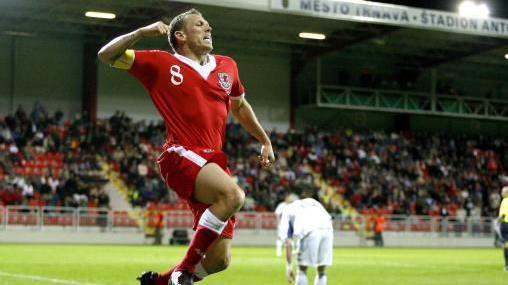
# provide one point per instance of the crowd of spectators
(402, 173)
(48, 161)
(393, 172)
(132, 151)
(397, 173)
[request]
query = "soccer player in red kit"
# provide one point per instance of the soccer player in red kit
(193, 91)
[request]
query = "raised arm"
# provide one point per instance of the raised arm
(243, 112)
(116, 49)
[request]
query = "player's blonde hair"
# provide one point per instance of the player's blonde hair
(177, 24)
(291, 198)
(504, 192)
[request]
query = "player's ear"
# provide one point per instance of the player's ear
(180, 35)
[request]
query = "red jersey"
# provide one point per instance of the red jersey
(193, 100)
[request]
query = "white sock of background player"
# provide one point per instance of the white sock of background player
(320, 279)
(301, 278)
(278, 250)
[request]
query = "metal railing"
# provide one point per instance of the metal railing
(76, 219)
(39, 218)
(441, 226)
(356, 98)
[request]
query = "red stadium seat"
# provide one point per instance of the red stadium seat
(65, 220)
(268, 221)
(59, 156)
(50, 220)
(49, 156)
(29, 170)
(38, 171)
(247, 220)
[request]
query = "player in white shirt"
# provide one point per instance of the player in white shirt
(278, 213)
(309, 226)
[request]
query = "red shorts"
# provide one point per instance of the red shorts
(179, 167)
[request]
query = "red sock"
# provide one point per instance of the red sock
(208, 231)
(201, 241)
(163, 279)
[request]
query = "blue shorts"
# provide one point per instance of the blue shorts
(503, 231)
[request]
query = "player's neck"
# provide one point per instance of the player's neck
(201, 59)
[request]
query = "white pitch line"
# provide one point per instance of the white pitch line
(44, 279)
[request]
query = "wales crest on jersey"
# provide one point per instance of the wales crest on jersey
(224, 81)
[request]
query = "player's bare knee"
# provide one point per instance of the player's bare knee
(240, 198)
(235, 198)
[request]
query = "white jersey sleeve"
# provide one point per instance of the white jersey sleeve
(280, 208)
(287, 218)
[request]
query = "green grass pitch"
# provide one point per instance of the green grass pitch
(23, 264)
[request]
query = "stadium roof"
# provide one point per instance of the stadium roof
(259, 31)
(498, 8)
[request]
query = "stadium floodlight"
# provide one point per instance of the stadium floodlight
(506, 56)
(16, 33)
(471, 9)
(312, 36)
(100, 15)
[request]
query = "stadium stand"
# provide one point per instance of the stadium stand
(393, 173)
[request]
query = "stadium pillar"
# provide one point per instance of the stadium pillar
(433, 81)
(292, 95)
(12, 86)
(433, 84)
(296, 67)
(89, 96)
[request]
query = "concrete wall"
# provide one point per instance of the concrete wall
(5, 74)
(117, 90)
(267, 82)
(44, 69)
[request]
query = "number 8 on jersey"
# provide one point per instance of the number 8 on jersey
(176, 76)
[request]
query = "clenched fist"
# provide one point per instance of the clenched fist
(154, 30)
